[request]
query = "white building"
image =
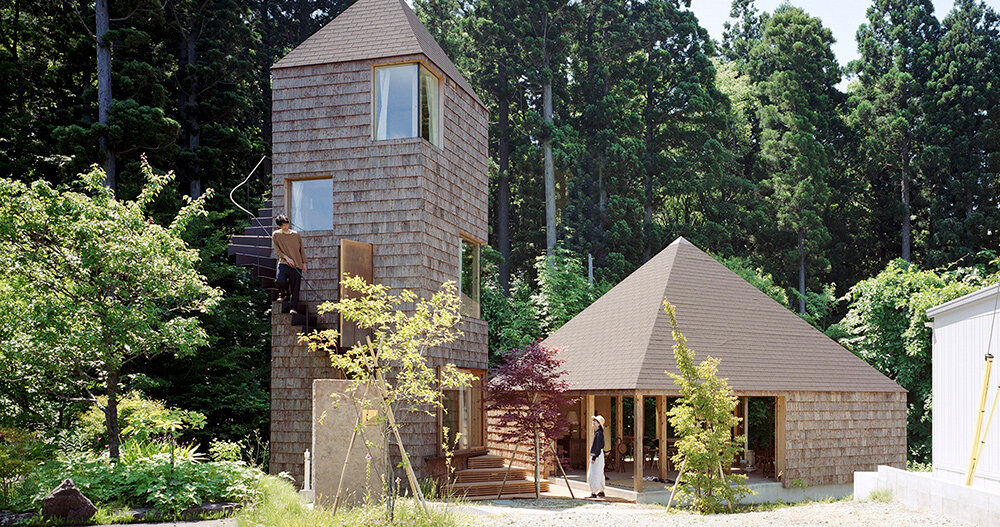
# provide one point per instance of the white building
(962, 330)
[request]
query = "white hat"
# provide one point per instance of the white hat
(599, 419)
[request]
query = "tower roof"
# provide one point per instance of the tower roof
(373, 29)
(623, 340)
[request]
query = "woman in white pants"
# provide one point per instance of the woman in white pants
(596, 476)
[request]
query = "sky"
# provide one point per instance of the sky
(842, 17)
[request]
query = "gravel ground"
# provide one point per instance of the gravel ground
(567, 513)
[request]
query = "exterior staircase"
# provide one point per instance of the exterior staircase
(485, 474)
(252, 249)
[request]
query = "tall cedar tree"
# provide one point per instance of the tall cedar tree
(964, 188)
(527, 394)
(897, 47)
(796, 75)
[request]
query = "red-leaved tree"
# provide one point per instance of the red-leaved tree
(528, 396)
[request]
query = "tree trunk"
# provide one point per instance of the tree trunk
(503, 183)
(111, 417)
(550, 177)
(104, 87)
(538, 468)
(193, 124)
(265, 75)
(905, 197)
(802, 272)
(647, 219)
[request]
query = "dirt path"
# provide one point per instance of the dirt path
(567, 513)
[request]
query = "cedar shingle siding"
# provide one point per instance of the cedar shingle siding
(406, 197)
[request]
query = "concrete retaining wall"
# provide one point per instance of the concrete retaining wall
(924, 490)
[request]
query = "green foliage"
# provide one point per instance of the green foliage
(881, 496)
(562, 290)
(225, 450)
(703, 418)
(280, 504)
(97, 284)
(21, 452)
(156, 482)
(885, 326)
(139, 419)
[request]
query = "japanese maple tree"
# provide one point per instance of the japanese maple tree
(529, 397)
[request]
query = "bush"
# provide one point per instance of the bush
(138, 418)
(151, 482)
(21, 452)
(225, 450)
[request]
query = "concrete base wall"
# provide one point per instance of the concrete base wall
(923, 490)
(334, 413)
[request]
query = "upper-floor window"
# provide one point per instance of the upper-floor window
(311, 204)
(469, 273)
(407, 103)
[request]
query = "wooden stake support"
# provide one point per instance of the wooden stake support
(510, 463)
(676, 483)
(552, 445)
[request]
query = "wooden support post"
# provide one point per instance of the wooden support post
(588, 413)
(779, 439)
(661, 434)
(722, 475)
(350, 447)
(619, 427)
(637, 455)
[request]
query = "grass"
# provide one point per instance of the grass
(280, 505)
(880, 495)
(115, 515)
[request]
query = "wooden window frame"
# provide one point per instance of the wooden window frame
(476, 311)
(422, 65)
(289, 181)
(480, 384)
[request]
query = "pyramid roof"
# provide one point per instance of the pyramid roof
(623, 340)
(373, 29)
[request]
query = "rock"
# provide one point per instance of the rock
(66, 502)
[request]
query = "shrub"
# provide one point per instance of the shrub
(225, 450)
(139, 419)
(152, 482)
(21, 452)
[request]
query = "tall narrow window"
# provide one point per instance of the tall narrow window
(463, 414)
(469, 272)
(311, 204)
(406, 103)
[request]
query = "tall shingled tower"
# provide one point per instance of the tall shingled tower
(380, 160)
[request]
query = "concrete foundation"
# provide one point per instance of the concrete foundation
(924, 490)
(335, 412)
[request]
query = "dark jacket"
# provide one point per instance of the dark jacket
(598, 446)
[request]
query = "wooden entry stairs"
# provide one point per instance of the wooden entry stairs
(252, 249)
(485, 474)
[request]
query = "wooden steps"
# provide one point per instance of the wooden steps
(475, 475)
(486, 489)
(487, 461)
(484, 476)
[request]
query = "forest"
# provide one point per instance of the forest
(842, 190)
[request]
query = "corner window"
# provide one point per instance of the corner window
(407, 103)
(311, 204)
(463, 414)
(469, 273)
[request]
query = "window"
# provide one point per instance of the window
(468, 269)
(312, 204)
(463, 414)
(407, 103)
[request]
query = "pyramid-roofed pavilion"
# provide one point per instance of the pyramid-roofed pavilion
(623, 340)
(373, 29)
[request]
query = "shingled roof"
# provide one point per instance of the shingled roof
(373, 29)
(623, 340)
